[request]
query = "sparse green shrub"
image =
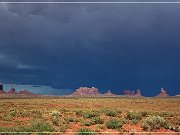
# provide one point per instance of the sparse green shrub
(89, 114)
(80, 120)
(85, 131)
(63, 128)
(135, 121)
(79, 112)
(114, 124)
(7, 117)
(163, 114)
(176, 129)
(98, 120)
(2, 129)
(55, 118)
(102, 127)
(133, 115)
(153, 122)
(23, 113)
(64, 110)
(69, 119)
(55, 113)
(36, 113)
(112, 113)
(87, 123)
(13, 113)
(19, 113)
(119, 111)
(144, 114)
(124, 120)
(177, 122)
(40, 126)
(36, 126)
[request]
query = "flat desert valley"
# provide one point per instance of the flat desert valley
(90, 115)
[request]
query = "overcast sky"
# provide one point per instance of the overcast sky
(108, 46)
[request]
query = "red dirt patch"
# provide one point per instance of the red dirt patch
(24, 119)
(132, 128)
(73, 127)
(5, 124)
(167, 131)
(111, 131)
(55, 105)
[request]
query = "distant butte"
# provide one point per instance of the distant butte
(2, 92)
(85, 91)
(109, 94)
(25, 92)
(138, 93)
(1, 89)
(12, 91)
(162, 93)
(132, 93)
(127, 92)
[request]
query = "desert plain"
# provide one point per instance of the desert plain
(89, 115)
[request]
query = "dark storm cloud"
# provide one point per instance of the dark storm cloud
(109, 46)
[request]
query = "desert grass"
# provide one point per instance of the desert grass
(89, 114)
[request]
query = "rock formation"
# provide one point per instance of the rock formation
(25, 92)
(127, 93)
(132, 93)
(85, 91)
(138, 93)
(1, 89)
(162, 93)
(109, 94)
(12, 91)
(2, 92)
(1, 86)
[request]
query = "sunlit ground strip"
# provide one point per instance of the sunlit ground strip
(96, 132)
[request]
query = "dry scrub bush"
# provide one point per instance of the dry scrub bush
(85, 131)
(112, 113)
(114, 124)
(153, 122)
(133, 116)
(55, 118)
